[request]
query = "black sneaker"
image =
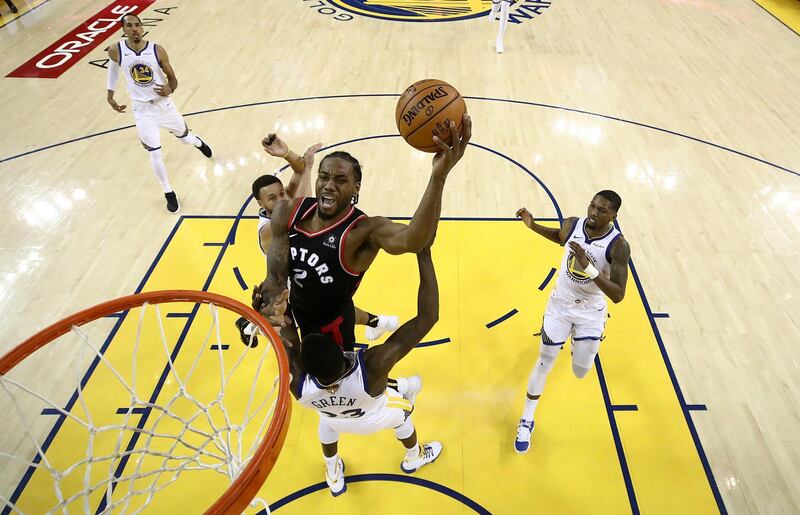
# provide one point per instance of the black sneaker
(205, 149)
(172, 202)
(241, 324)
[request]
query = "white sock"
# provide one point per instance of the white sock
(191, 139)
(160, 169)
(331, 462)
(402, 385)
(413, 452)
(530, 407)
(249, 329)
(503, 22)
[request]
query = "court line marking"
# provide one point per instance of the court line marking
(547, 279)
(676, 386)
(395, 95)
(85, 379)
(240, 279)
(502, 318)
(776, 17)
(412, 480)
(18, 16)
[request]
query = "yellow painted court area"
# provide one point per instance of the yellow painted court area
(471, 400)
(787, 11)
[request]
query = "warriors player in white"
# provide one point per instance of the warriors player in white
(501, 6)
(349, 389)
(151, 80)
(595, 266)
(268, 190)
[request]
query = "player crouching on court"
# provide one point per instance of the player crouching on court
(351, 390)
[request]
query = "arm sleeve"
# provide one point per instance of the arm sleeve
(113, 74)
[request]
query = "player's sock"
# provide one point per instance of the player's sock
(331, 462)
(412, 452)
(160, 169)
(530, 407)
(191, 139)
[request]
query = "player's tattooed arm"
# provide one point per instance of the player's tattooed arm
(614, 286)
(277, 263)
(555, 234)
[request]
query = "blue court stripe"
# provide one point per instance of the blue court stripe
(547, 279)
(502, 318)
(421, 344)
(51, 411)
(678, 392)
(115, 315)
(134, 411)
(660, 315)
(178, 315)
(213, 244)
(432, 343)
(623, 462)
(239, 278)
(92, 367)
(413, 480)
(623, 407)
(224, 346)
(696, 407)
(395, 95)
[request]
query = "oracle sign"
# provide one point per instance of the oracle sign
(61, 55)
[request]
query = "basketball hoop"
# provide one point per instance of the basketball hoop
(208, 410)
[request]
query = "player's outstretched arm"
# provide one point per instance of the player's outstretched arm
(398, 238)
(267, 296)
(556, 235)
(300, 183)
(381, 358)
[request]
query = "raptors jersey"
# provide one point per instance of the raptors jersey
(321, 283)
(263, 219)
(142, 71)
(573, 285)
(346, 405)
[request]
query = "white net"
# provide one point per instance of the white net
(111, 420)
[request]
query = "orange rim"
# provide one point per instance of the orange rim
(239, 494)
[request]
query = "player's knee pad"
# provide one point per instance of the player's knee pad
(579, 371)
(404, 430)
(327, 434)
(547, 356)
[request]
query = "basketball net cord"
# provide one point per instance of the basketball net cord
(213, 446)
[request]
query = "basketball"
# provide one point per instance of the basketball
(425, 110)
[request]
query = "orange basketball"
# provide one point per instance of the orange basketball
(425, 109)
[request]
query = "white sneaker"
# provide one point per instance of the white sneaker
(385, 323)
(427, 454)
(498, 47)
(523, 441)
(414, 387)
(336, 481)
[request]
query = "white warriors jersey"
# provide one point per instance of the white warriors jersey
(263, 219)
(573, 285)
(142, 71)
(347, 400)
